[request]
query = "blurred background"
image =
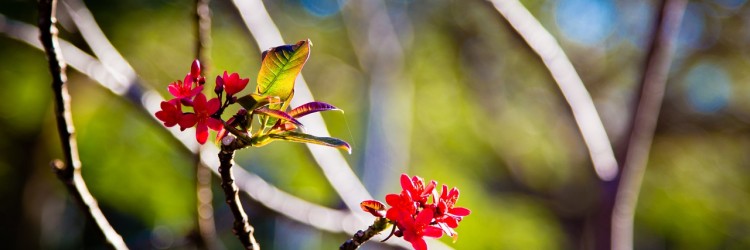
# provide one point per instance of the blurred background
(441, 89)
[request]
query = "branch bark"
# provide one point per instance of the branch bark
(641, 134)
(570, 84)
(70, 171)
(241, 227)
(360, 237)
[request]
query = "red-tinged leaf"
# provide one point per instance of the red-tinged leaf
(278, 114)
(373, 207)
(311, 107)
(280, 67)
(305, 138)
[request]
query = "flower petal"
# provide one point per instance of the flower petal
(406, 183)
(433, 232)
(174, 89)
(201, 132)
(188, 120)
(459, 211)
(212, 106)
(214, 124)
(419, 244)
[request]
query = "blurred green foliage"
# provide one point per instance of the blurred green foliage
(487, 118)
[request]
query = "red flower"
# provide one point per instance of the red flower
(170, 113)
(202, 117)
(402, 206)
(184, 90)
(415, 229)
(447, 216)
(232, 83)
(416, 188)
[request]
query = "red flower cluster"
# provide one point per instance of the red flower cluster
(414, 217)
(206, 113)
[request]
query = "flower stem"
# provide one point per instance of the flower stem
(360, 237)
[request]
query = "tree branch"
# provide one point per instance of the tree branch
(570, 84)
(360, 237)
(641, 134)
(70, 171)
(241, 227)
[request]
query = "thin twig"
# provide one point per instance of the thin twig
(570, 84)
(360, 237)
(641, 134)
(70, 171)
(241, 227)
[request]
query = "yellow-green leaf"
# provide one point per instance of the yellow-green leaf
(305, 138)
(280, 67)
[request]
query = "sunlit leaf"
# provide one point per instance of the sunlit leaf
(311, 107)
(280, 67)
(305, 138)
(278, 114)
(376, 208)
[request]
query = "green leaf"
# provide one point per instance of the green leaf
(305, 138)
(280, 67)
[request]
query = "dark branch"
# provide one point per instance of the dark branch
(70, 171)
(361, 237)
(241, 227)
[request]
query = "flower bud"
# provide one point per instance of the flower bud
(219, 85)
(195, 69)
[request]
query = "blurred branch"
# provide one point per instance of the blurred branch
(334, 166)
(641, 134)
(206, 228)
(148, 100)
(388, 133)
(242, 227)
(570, 84)
(203, 33)
(70, 171)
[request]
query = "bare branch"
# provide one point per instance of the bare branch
(641, 135)
(360, 237)
(570, 84)
(70, 171)
(241, 227)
